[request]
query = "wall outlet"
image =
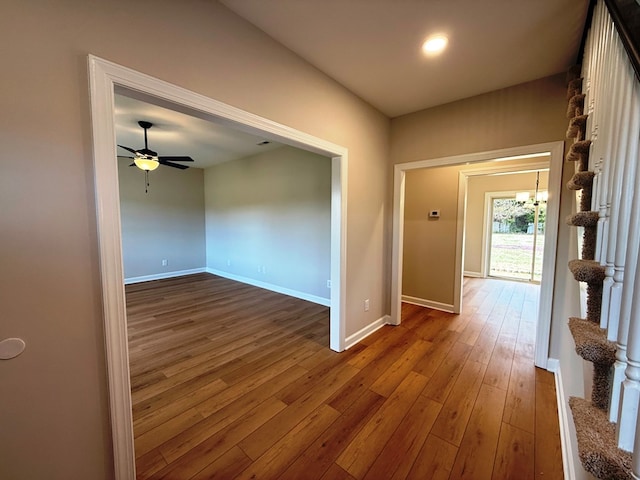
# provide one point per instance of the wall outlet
(328, 283)
(165, 262)
(228, 262)
(366, 305)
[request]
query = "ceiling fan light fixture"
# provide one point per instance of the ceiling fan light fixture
(147, 164)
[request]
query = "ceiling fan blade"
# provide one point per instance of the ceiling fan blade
(127, 149)
(171, 164)
(176, 159)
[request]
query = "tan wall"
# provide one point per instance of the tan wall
(54, 414)
(430, 244)
(525, 114)
(272, 210)
(477, 187)
(167, 222)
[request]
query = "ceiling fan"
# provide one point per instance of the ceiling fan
(146, 159)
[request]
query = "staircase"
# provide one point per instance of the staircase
(604, 128)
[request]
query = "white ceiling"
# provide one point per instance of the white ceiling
(373, 47)
(176, 133)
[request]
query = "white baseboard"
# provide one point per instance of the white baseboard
(274, 288)
(351, 340)
(160, 276)
(568, 458)
(468, 273)
(445, 307)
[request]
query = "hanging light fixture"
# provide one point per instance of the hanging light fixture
(535, 197)
(146, 163)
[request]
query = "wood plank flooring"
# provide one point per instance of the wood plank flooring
(233, 382)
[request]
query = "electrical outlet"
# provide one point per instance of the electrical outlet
(228, 262)
(328, 283)
(165, 262)
(366, 305)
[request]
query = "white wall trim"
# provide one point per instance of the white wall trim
(161, 276)
(445, 307)
(104, 78)
(553, 365)
(366, 331)
(468, 273)
(270, 286)
(555, 150)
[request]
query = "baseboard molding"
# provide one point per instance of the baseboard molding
(445, 307)
(163, 275)
(351, 340)
(473, 274)
(568, 465)
(274, 288)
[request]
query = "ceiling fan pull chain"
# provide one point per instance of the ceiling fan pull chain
(146, 181)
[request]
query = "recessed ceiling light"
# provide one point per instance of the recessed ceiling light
(435, 44)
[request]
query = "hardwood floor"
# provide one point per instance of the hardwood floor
(233, 382)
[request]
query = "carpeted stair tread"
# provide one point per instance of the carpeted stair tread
(581, 180)
(589, 271)
(597, 447)
(577, 126)
(579, 152)
(583, 219)
(591, 342)
(575, 107)
(574, 87)
(592, 345)
(575, 71)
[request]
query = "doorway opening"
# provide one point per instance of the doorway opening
(553, 152)
(516, 230)
(105, 77)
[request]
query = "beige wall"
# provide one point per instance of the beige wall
(430, 244)
(165, 223)
(477, 187)
(272, 210)
(526, 114)
(54, 414)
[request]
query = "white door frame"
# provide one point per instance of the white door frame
(556, 152)
(104, 77)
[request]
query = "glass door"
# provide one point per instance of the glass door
(517, 239)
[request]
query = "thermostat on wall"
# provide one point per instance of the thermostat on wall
(434, 213)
